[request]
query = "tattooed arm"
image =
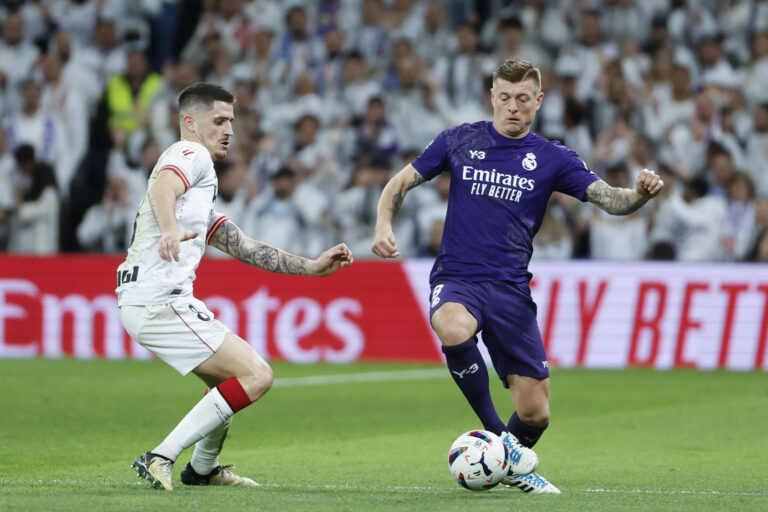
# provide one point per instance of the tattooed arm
(231, 239)
(623, 201)
(389, 204)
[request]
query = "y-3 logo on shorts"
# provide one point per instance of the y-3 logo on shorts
(436, 295)
(471, 369)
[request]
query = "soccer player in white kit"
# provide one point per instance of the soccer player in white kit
(176, 220)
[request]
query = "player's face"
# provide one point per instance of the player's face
(514, 106)
(214, 128)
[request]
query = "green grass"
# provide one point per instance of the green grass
(619, 440)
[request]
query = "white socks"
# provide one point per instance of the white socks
(206, 455)
(211, 413)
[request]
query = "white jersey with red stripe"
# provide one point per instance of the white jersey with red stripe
(144, 277)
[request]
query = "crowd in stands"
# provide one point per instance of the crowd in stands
(334, 96)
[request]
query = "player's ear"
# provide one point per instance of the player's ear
(189, 122)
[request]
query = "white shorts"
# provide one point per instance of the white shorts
(183, 334)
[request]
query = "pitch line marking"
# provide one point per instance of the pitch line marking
(345, 378)
(357, 488)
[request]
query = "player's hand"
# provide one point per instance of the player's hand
(648, 184)
(384, 244)
(170, 242)
(330, 261)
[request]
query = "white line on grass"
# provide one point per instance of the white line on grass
(360, 488)
(317, 380)
(651, 491)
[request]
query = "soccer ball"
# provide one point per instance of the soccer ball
(478, 460)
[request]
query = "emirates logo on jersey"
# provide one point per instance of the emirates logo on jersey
(529, 162)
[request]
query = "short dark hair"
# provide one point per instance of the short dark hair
(516, 70)
(204, 94)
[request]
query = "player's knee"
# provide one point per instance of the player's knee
(538, 417)
(259, 382)
(453, 332)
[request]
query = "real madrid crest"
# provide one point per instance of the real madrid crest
(529, 162)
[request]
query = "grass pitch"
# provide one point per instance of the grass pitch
(619, 440)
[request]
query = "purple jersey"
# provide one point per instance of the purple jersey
(500, 188)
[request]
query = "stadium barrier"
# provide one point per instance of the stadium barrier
(591, 314)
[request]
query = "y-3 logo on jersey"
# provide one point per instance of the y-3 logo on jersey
(480, 155)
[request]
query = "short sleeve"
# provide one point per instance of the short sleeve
(434, 159)
(574, 176)
(186, 163)
(215, 220)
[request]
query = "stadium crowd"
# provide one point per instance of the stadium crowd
(334, 96)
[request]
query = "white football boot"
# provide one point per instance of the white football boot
(532, 483)
(522, 460)
(154, 468)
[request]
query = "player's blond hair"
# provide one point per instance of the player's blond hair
(516, 70)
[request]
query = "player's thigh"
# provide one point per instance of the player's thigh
(531, 397)
(453, 323)
(456, 310)
(235, 358)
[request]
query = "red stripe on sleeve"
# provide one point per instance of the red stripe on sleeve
(221, 220)
(178, 172)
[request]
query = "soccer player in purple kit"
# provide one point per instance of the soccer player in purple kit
(502, 176)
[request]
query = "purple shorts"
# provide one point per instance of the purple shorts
(506, 315)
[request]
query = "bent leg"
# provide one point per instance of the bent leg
(237, 376)
(531, 417)
(455, 326)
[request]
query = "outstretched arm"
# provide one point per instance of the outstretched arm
(389, 204)
(231, 239)
(623, 201)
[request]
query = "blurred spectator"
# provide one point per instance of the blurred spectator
(330, 69)
(312, 157)
(42, 130)
(62, 100)
(105, 58)
(130, 95)
(416, 97)
(618, 237)
(720, 170)
(757, 150)
(375, 133)
(511, 40)
(372, 37)
(16, 55)
(693, 223)
(35, 223)
(740, 216)
(231, 196)
(279, 217)
(461, 74)
(436, 39)
(7, 190)
(357, 88)
(757, 71)
(108, 226)
(553, 241)
(760, 252)
(576, 135)
(355, 207)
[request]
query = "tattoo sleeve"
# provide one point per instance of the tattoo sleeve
(397, 198)
(616, 201)
(231, 239)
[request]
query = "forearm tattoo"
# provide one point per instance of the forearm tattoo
(397, 198)
(231, 239)
(616, 201)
